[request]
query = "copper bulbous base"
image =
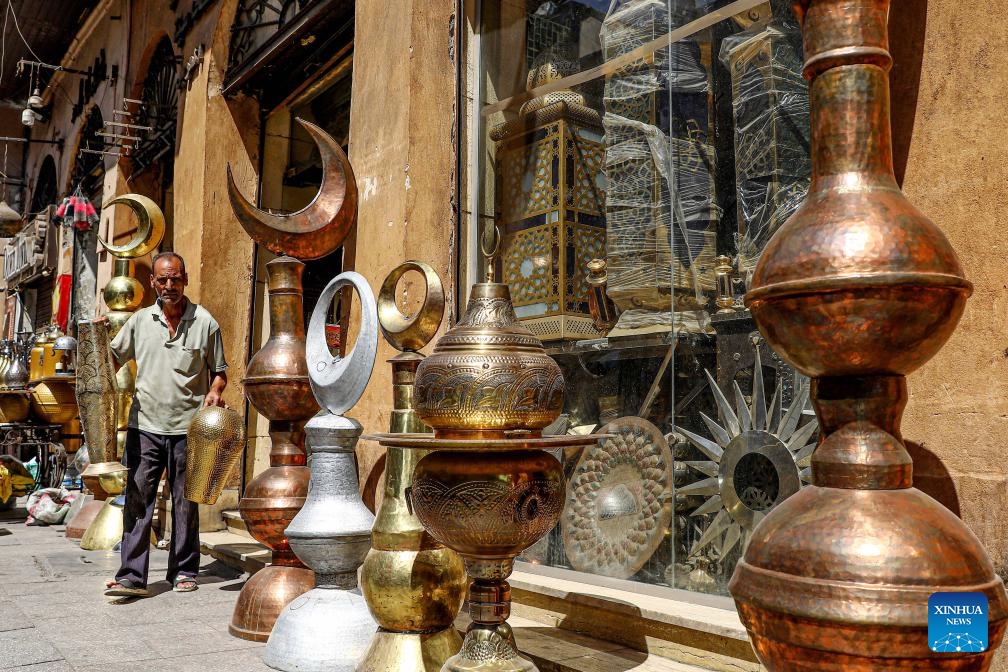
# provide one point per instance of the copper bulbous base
(264, 596)
(833, 579)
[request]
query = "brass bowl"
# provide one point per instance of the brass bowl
(14, 405)
(491, 505)
(113, 482)
(54, 400)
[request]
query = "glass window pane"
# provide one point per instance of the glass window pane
(636, 157)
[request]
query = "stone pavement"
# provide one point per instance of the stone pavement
(54, 617)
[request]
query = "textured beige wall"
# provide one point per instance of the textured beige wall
(403, 152)
(956, 169)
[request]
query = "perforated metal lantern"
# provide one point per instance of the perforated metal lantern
(216, 438)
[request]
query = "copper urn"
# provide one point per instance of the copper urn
(857, 290)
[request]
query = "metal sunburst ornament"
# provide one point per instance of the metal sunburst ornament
(759, 458)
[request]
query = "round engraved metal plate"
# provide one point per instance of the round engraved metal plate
(618, 500)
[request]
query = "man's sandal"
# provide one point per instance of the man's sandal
(124, 588)
(184, 584)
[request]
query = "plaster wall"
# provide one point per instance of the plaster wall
(955, 172)
(402, 149)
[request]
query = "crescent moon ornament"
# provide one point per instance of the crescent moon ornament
(339, 382)
(321, 226)
(411, 333)
(150, 227)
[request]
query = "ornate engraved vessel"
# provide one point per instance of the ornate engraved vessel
(216, 439)
(96, 397)
(488, 389)
(328, 628)
(857, 290)
(277, 380)
(413, 584)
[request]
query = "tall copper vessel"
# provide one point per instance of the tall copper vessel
(487, 390)
(857, 290)
(277, 380)
(413, 584)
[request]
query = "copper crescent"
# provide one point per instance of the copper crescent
(150, 227)
(321, 226)
(411, 333)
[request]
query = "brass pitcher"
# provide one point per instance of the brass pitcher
(216, 438)
(96, 391)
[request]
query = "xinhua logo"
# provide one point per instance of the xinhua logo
(957, 622)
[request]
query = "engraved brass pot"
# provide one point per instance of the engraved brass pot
(487, 390)
(489, 373)
(857, 290)
(490, 506)
(277, 384)
(215, 441)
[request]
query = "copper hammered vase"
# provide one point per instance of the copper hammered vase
(276, 382)
(215, 441)
(857, 290)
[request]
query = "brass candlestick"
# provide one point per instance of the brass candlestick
(857, 290)
(488, 389)
(277, 382)
(414, 585)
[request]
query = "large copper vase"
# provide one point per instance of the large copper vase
(276, 382)
(857, 290)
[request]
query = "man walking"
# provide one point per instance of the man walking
(180, 368)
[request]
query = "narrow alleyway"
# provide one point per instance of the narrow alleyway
(54, 617)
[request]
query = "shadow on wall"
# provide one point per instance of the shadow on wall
(907, 30)
(932, 478)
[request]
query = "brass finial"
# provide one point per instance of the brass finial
(490, 246)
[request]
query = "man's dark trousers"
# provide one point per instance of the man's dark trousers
(147, 455)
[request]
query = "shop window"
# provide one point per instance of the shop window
(636, 156)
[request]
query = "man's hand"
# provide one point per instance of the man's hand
(217, 385)
(213, 398)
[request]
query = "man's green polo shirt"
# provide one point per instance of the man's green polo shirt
(173, 374)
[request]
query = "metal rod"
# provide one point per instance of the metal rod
(84, 150)
(132, 126)
(116, 135)
(58, 68)
(7, 138)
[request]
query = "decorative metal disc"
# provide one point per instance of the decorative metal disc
(339, 382)
(757, 459)
(411, 333)
(150, 227)
(619, 503)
